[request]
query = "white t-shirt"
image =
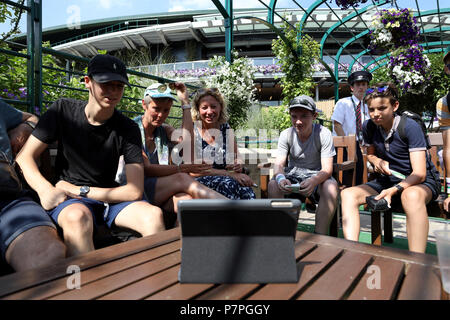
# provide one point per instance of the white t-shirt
(344, 113)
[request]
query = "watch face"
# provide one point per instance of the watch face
(84, 190)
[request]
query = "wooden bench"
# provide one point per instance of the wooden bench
(343, 164)
(434, 208)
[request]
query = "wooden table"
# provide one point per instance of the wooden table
(147, 268)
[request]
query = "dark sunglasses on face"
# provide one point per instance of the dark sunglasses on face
(448, 66)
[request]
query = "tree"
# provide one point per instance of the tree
(235, 82)
(298, 71)
(14, 15)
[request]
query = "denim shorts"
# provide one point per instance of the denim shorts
(101, 211)
(149, 189)
(18, 216)
(384, 182)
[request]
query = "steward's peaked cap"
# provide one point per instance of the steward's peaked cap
(359, 76)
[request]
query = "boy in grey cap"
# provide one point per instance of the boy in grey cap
(304, 162)
(91, 137)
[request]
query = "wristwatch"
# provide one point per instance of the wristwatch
(185, 106)
(84, 190)
(399, 188)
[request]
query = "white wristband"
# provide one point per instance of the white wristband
(280, 177)
(185, 106)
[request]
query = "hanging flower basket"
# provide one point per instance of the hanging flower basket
(410, 68)
(393, 29)
(345, 4)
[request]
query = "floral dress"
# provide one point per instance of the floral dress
(225, 185)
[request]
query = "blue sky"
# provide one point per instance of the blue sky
(63, 12)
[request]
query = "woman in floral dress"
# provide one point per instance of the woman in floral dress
(215, 144)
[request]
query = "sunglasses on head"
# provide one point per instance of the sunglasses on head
(162, 88)
(378, 89)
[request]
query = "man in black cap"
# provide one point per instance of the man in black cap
(91, 137)
(350, 113)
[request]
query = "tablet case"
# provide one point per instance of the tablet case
(238, 241)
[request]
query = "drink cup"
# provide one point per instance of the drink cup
(443, 249)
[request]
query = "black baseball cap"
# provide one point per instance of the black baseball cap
(105, 68)
(359, 76)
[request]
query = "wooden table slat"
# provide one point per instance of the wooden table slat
(391, 273)
(59, 286)
(335, 282)
(379, 251)
(118, 280)
(180, 291)
(234, 292)
(308, 267)
(421, 283)
(26, 279)
(229, 292)
(145, 287)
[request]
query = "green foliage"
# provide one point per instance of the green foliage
(438, 86)
(13, 15)
(58, 84)
(276, 118)
(235, 82)
(298, 71)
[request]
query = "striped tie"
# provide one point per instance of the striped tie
(358, 119)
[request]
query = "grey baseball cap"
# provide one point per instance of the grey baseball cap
(303, 101)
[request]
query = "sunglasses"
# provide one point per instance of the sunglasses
(162, 88)
(379, 90)
(448, 66)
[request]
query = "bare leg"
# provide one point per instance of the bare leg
(142, 217)
(351, 199)
(168, 186)
(77, 223)
(36, 247)
(328, 191)
(414, 201)
(273, 190)
(172, 204)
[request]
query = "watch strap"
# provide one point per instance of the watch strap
(399, 188)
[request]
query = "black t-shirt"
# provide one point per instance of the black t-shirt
(88, 154)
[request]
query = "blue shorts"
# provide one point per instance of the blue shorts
(149, 189)
(18, 216)
(101, 212)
